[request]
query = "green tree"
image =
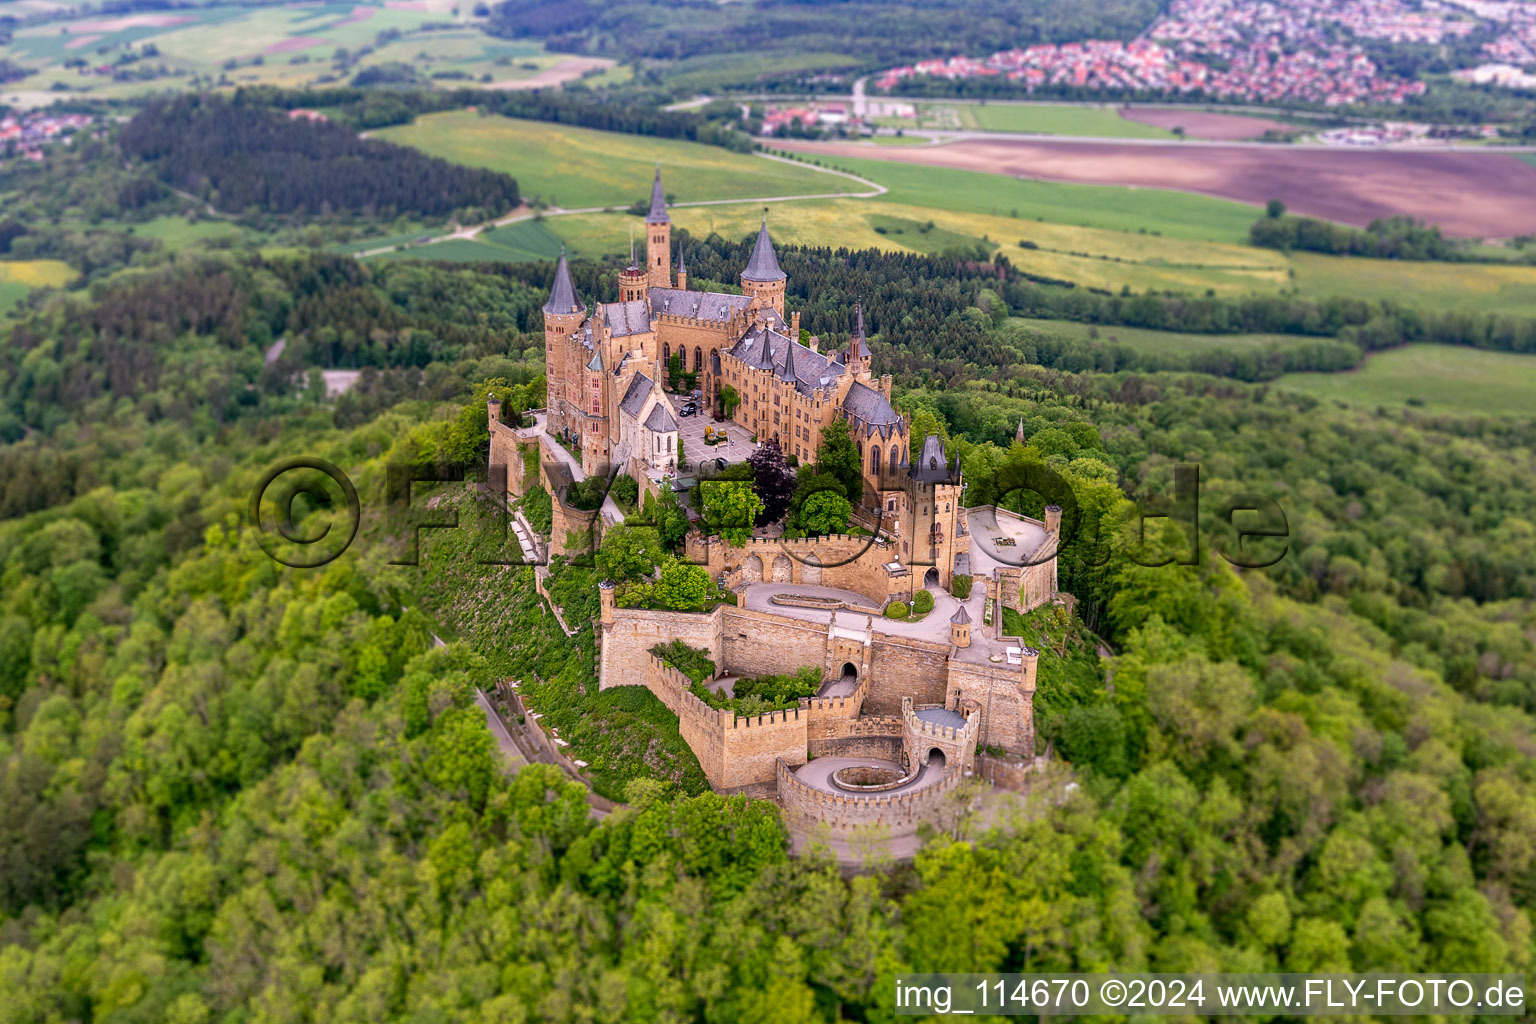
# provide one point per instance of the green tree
(730, 509)
(628, 552)
(683, 585)
(838, 455)
(825, 512)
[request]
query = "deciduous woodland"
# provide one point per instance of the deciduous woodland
(233, 791)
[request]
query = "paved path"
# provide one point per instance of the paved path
(818, 774)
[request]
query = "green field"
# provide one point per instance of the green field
(1061, 119)
(1470, 287)
(1438, 378)
(18, 277)
(1175, 214)
(580, 167)
(1158, 342)
(223, 46)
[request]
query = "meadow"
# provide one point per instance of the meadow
(1158, 342)
(1469, 287)
(18, 277)
(1059, 119)
(581, 167)
(1436, 378)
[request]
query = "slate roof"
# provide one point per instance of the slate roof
(626, 318)
(562, 295)
(764, 348)
(764, 264)
(658, 214)
(716, 306)
(930, 468)
(660, 420)
(869, 406)
(640, 388)
(961, 616)
(596, 362)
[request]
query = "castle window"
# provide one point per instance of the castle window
(874, 459)
(895, 459)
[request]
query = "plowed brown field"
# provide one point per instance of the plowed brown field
(1468, 194)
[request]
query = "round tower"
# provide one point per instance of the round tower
(960, 627)
(763, 279)
(658, 238)
(633, 281)
(563, 315)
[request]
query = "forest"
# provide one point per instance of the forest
(235, 791)
(235, 154)
(875, 33)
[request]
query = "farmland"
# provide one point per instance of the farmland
(1061, 119)
(1466, 193)
(1437, 378)
(580, 167)
(17, 277)
(1157, 342)
(288, 45)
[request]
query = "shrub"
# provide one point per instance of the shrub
(922, 603)
(960, 586)
(538, 507)
(626, 491)
(896, 610)
(693, 662)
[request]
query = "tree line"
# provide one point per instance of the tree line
(1390, 238)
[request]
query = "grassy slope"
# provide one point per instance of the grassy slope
(579, 167)
(1442, 378)
(1050, 119)
(1142, 340)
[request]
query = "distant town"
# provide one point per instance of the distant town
(25, 135)
(1270, 51)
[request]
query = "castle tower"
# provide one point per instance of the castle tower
(633, 282)
(658, 238)
(763, 279)
(960, 627)
(682, 270)
(858, 352)
(1052, 518)
(594, 440)
(563, 314)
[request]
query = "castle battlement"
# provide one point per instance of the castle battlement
(934, 730)
(808, 806)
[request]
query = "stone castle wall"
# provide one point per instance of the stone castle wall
(848, 562)
(627, 641)
(1005, 698)
(870, 736)
(759, 643)
(807, 807)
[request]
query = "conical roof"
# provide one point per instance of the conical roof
(788, 372)
(961, 616)
(764, 264)
(562, 295)
(658, 214)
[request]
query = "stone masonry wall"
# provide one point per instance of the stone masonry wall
(806, 807)
(757, 643)
(861, 561)
(872, 736)
(901, 667)
(626, 645)
(1005, 698)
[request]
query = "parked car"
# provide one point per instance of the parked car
(687, 410)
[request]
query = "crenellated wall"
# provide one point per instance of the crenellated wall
(920, 738)
(870, 736)
(627, 641)
(806, 807)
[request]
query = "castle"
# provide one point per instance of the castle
(906, 708)
(606, 367)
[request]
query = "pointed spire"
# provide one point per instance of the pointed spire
(682, 268)
(788, 373)
(856, 341)
(1018, 435)
(658, 214)
(632, 264)
(562, 295)
(764, 264)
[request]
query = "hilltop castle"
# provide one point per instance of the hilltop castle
(908, 706)
(606, 367)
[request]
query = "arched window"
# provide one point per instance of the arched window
(698, 360)
(895, 456)
(666, 353)
(874, 459)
